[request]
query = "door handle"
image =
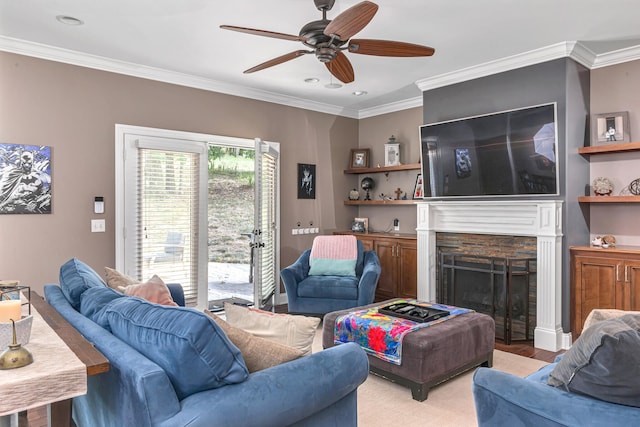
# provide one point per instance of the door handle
(617, 272)
(626, 273)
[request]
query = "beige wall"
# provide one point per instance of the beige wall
(616, 88)
(373, 133)
(74, 110)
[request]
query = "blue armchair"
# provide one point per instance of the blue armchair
(324, 294)
(505, 400)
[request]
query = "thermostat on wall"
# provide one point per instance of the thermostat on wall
(98, 204)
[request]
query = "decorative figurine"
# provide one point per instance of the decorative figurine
(602, 186)
(367, 184)
(354, 194)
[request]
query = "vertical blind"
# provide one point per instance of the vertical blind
(268, 273)
(167, 220)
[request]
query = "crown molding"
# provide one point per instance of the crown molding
(571, 49)
(536, 56)
(67, 56)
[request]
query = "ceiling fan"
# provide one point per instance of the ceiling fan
(328, 38)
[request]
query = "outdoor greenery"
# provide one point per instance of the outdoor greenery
(231, 201)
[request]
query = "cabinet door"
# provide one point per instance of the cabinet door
(596, 286)
(386, 251)
(632, 285)
(407, 269)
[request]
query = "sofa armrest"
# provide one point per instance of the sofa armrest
(311, 390)
(503, 399)
(296, 272)
(369, 279)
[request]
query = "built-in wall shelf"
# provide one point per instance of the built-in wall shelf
(380, 202)
(609, 199)
(610, 148)
(386, 169)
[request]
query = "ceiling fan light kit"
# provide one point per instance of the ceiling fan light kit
(327, 39)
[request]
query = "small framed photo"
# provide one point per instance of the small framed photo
(365, 221)
(359, 158)
(391, 154)
(357, 227)
(418, 190)
(610, 128)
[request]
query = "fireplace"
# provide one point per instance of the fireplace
(497, 286)
(540, 219)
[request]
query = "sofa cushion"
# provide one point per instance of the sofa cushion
(334, 287)
(75, 278)
(94, 300)
(154, 290)
(333, 256)
(292, 330)
(258, 353)
(194, 351)
(604, 362)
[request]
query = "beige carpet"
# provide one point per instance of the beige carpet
(450, 404)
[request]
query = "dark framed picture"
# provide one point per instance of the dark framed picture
(463, 163)
(25, 179)
(418, 189)
(365, 221)
(610, 128)
(357, 227)
(306, 181)
(359, 158)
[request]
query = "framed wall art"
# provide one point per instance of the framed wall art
(365, 222)
(392, 154)
(359, 158)
(306, 181)
(25, 179)
(418, 190)
(610, 128)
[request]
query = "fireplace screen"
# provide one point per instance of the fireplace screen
(499, 287)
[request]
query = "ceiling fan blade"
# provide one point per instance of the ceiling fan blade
(279, 60)
(352, 20)
(341, 68)
(264, 33)
(388, 48)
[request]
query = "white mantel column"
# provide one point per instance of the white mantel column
(542, 219)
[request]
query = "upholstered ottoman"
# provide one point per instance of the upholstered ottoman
(433, 354)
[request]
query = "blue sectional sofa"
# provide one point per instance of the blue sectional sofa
(155, 379)
(506, 400)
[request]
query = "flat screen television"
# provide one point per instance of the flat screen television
(508, 153)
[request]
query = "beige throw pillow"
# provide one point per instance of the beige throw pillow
(292, 330)
(258, 353)
(117, 280)
(153, 291)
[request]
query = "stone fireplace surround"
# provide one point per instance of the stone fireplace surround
(539, 218)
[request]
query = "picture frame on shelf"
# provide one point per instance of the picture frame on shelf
(610, 128)
(418, 189)
(359, 158)
(392, 154)
(357, 227)
(365, 221)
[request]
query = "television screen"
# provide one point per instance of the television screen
(501, 154)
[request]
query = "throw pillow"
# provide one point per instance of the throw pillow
(192, 349)
(258, 353)
(333, 256)
(154, 291)
(75, 278)
(292, 330)
(604, 362)
(117, 280)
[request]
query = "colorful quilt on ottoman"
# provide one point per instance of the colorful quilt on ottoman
(381, 335)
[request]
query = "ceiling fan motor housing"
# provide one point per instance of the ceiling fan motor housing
(324, 4)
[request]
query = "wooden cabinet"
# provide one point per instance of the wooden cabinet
(603, 278)
(398, 254)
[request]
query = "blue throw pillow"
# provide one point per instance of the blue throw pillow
(193, 351)
(75, 278)
(94, 300)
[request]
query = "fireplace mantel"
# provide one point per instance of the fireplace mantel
(539, 218)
